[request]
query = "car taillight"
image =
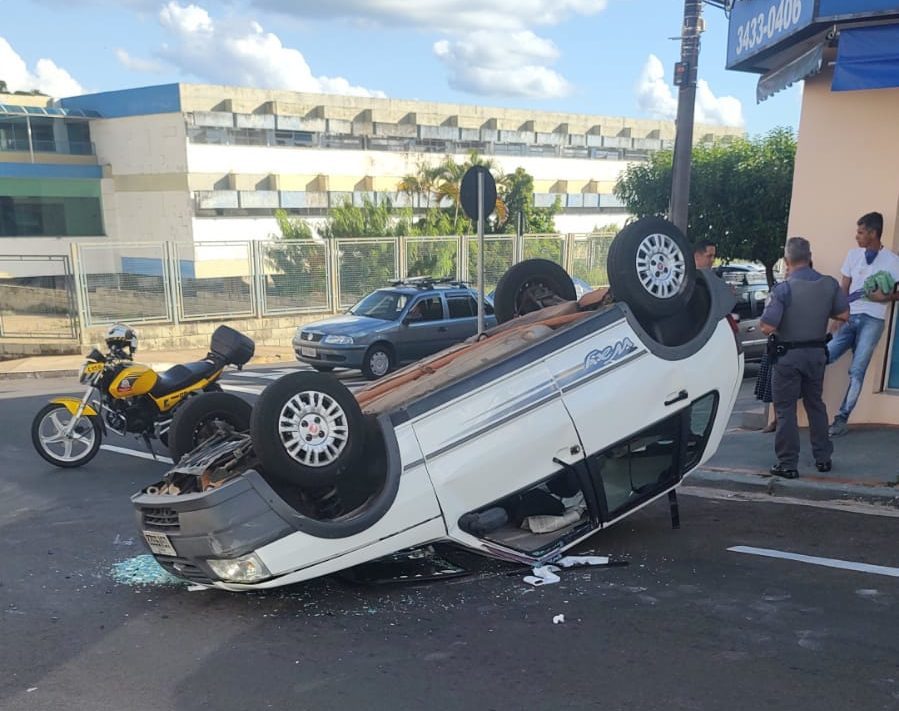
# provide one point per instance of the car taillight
(733, 321)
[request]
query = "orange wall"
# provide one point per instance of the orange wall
(847, 164)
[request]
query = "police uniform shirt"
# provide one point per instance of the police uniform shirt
(780, 297)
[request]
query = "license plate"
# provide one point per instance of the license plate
(160, 544)
(309, 352)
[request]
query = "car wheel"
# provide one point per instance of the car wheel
(378, 362)
(48, 436)
(529, 286)
(307, 429)
(651, 268)
(198, 418)
(323, 368)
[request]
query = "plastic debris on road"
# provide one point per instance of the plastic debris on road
(143, 570)
(558, 619)
(546, 574)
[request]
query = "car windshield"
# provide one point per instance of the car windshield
(386, 305)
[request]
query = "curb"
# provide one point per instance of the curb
(159, 367)
(813, 489)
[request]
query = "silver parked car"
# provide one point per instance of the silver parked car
(404, 322)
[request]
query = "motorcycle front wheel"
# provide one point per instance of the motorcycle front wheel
(48, 434)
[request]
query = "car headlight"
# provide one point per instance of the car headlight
(246, 569)
(338, 340)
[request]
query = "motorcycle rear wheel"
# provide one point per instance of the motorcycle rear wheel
(48, 436)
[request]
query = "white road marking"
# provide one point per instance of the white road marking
(136, 453)
(815, 560)
(251, 389)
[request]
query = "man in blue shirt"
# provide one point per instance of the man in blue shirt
(797, 313)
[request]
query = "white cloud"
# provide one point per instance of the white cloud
(240, 52)
(489, 48)
(657, 98)
(443, 15)
(47, 76)
(136, 64)
(514, 67)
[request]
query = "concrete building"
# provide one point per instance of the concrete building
(192, 163)
(847, 52)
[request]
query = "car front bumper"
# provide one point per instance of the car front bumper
(335, 356)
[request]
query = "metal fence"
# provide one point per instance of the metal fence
(172, 282)
(37, 297)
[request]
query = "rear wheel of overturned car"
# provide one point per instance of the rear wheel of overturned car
(651, 268)
(529, 286)
(202, 416)
(307, 429)
(378, 361)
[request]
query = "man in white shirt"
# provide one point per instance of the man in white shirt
(868, 311)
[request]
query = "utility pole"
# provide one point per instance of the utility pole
(685, 74)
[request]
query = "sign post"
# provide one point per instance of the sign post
(478, 197)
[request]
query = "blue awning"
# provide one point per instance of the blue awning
(868, 58)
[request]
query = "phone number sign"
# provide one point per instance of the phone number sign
(757, 25)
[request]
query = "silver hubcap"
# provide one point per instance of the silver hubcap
(313, 428)
(52, 434)
(661, 266)
(379, 363)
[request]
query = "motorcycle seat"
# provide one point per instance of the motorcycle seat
(182, 375)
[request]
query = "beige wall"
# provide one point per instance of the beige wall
(847, 164)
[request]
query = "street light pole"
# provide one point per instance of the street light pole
(685, 77)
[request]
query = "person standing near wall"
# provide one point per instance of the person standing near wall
(796, 319)
(870, 262)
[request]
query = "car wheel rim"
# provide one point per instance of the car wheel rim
(313, 428)
(661, 265)
(71, 448)
(379, 363)
(532, 295)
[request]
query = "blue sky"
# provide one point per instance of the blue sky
(610, 57)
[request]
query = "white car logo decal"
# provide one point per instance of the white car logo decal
(600, 358)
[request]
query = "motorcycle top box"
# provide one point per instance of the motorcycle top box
(231, 346)
(559, 422)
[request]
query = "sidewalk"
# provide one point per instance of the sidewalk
(865, 467)
(68, 365)
(865, 461)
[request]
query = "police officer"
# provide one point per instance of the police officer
(795, 320)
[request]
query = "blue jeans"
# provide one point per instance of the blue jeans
(860, 333)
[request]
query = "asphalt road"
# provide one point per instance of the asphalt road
(686, 624)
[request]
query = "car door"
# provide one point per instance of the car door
(501, 434)
(463, 317)
(423, 329)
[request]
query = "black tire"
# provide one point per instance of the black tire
(530, 286)
(378, 361)
(328, 434)
(194, 420)
(323, 368)
(90, 428)
(651, 268)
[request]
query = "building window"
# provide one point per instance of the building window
(50, 208)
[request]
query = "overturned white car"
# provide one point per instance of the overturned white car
(557, 423)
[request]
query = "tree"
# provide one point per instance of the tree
(739, 196)
(3, 87)
(517, 192)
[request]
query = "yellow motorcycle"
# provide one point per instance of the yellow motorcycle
(179, 407)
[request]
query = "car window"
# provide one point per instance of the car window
(462, 306)
(387, 305)
(429, 308)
